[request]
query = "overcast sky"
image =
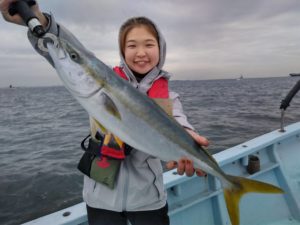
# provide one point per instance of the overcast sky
(206, 39)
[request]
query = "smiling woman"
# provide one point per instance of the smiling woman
(113, 161)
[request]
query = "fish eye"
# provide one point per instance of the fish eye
(74, 56)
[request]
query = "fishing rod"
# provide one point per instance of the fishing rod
(22, 7)
(286, 102)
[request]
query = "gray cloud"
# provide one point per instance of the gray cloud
(206, 39)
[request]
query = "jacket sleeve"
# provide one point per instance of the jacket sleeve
(178, 113)
(53, 31)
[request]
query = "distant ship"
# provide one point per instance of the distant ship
(294, 74)
(241, 77)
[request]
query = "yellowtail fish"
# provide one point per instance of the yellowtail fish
(139, 121)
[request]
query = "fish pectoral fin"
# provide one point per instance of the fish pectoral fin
(96, 126)
(110, 106)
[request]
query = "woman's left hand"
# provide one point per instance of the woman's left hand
(186, 165)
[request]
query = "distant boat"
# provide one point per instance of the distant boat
(240, 78)
(294, 74)
(10, 86)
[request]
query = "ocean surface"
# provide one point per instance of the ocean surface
(41, 129)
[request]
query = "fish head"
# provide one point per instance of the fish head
(73, 65)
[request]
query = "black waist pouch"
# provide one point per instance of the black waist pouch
(101, 168)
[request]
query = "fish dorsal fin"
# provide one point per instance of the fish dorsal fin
(110, 106)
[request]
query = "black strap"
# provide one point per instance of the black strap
(82, 143)
(128, 149)
(94, 146)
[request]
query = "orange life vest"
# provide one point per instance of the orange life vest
(159, 88)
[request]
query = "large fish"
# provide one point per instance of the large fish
(139, 121)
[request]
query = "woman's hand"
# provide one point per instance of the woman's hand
(4, 6)
(185, 165)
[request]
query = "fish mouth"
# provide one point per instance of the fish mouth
(72, 74)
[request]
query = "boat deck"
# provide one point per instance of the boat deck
(199, 200)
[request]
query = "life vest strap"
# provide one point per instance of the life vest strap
(96, 147)
(112, 152)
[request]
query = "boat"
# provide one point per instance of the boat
(195, 201)
(240, 78)
(294, 74)
(272, 157)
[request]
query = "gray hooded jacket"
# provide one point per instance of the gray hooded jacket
(139, 183)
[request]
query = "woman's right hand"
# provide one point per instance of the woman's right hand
(4, 6)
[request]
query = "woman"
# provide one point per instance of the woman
(137, 193)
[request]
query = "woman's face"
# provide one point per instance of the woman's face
(141, 50)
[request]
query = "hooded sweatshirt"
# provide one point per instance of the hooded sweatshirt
(139, 183)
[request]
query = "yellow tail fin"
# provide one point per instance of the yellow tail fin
(241, 186)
